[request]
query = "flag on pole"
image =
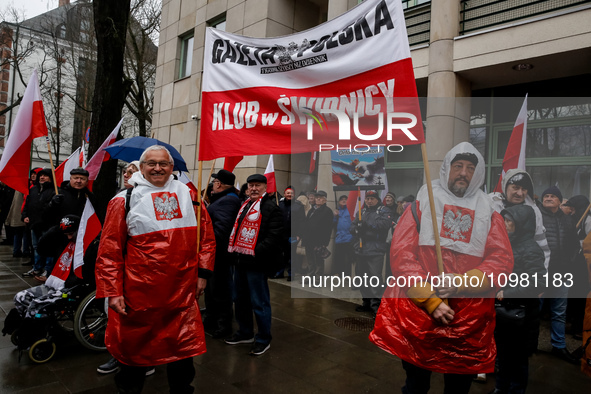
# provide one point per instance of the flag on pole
(231, 162)
(515, 154)
(270, 175)
(187, 181)
(28, 125)
(90, 227)
(63, 170)
(94, 164)
(313, 162)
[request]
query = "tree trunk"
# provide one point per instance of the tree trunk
(110, 22)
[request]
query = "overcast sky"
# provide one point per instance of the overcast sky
(30, 8)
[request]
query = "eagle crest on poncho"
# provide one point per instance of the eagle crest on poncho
(456, 225)
(166, 206)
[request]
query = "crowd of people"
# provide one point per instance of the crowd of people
(152, 276)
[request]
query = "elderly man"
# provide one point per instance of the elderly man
(223, 208)
(317, 232)
(152, 272)
(564, 246)
(454, 337)
(256, 244)
(71, 197)
(518, 188)
(370, 247)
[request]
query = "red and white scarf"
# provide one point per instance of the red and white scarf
(249, 229)
(62, 268)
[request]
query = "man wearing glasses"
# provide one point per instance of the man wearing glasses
(150, 269)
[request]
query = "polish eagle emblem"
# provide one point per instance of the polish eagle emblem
(247, 234)
(166, 206)
(457, 223)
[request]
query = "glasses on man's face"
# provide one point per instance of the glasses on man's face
(162, 164)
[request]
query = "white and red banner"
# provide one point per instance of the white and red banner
(515, 153)
(28, 125)
(279, 95)
(89, 229)
(187, 181)
(270, 175)
(63, 170)
(100, 156)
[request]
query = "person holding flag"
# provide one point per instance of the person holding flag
(453, 337)
(71, 197)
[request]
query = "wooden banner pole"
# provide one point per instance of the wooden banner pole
(199, 202)
(583, 217)
(432, 205)
(51, 162)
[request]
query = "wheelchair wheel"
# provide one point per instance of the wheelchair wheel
(90, 323)
(42, 351)
(14, 337)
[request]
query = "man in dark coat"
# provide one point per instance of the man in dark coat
(293, 218)
(370, 247)
(223, 208)
(71, 197)
(36, 205)
(255, 241)
(316, 234)
(564, 245)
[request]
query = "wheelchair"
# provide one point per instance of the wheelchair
(77, 312)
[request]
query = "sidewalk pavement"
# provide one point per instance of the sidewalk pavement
(309, 354)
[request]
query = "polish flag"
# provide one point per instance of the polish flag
(185, 179)
(28, 125)
(231, 162)
(515, 154)
(313, 162)
(96, 161)
(270, 175)
(90, 227)
(74, 161)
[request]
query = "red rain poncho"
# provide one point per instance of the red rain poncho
(466, 345)
(150, 258)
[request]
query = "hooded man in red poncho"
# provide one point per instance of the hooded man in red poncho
(414, 323)
(150, 269)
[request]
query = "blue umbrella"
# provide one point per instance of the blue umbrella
(130, 149)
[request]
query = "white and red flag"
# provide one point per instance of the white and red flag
(231, 162)
(515, 154)
(275, 95)
(28, 125)
(100, 156)
(313, 158)
(270, 175)
(74, 161)
(90, 227)
(187, 181)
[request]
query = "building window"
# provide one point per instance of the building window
(186, 55)
(218, 23)
(558, 141)
(61, 31)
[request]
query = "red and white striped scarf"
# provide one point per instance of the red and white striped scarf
(249, 229)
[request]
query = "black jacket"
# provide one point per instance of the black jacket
(36, 206)
(527, 255)
(72, 203)
(562, 240)
(318, 227)
(529, 259)
(223, 208)
(372, 230)
(267, 252)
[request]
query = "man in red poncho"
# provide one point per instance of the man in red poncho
(150, 269)
(414, 322)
